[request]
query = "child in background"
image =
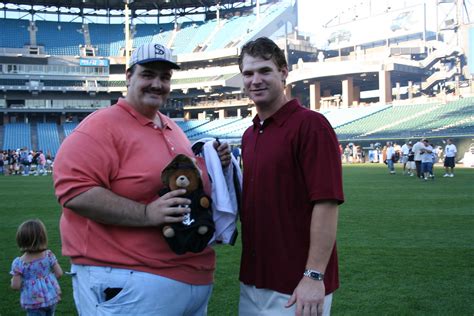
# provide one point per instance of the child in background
(37, 271)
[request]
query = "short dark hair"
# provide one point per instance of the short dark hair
(265, 48)
(31, 236)
(131, 69)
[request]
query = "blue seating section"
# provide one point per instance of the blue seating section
(60, 38)
(236, 130)
(184, 36)
(191, 35)
(48, 138)
(212, 128)
(64, 38)
(188, 126)
(68, 128)
(17, 135)
(145, 33)
(108, 38)
(231, 30)
(413, 121)
(385, 122)
(269, 15)
(15, 33)
(340, 117)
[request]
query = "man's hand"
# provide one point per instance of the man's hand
(309, 297)
(168, 208)
(223, 151)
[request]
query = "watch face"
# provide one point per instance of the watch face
(314, 275)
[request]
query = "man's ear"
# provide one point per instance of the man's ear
(128, 75)
(284, 72)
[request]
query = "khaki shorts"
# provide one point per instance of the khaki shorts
(264, 302)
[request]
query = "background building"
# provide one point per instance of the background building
(377, 73)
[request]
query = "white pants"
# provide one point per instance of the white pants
(264, 302)
(135, 293)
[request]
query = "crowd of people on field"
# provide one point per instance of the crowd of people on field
(416, 158)
(25, 162)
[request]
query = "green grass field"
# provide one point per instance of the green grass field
(406, 247)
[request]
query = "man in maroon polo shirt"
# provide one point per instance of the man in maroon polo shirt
(291, 191)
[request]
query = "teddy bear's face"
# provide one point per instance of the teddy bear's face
(184, 179)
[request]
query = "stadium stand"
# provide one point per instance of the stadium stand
(108, 38)
(68, 128)
(411, 121)
(187, 37)
(48, 138)
(211, 129)
(236, 130)
(60, 38)
(188, 126)
(339, 117)
(145, 33)
(17, 135)
(36, 88)
(14, 33)
(230, 30)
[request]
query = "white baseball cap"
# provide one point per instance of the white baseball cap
(150, 53)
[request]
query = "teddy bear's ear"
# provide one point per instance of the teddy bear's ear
(196, 166)
(165, 176)
(179, 162)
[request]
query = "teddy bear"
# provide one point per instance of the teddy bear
(197, 228)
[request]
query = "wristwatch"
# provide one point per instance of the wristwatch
(313, 274)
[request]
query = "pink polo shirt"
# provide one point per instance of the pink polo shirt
(119, 149)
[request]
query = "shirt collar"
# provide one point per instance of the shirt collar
(280, 116)
(143, 120)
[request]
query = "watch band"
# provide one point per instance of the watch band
(313, 274)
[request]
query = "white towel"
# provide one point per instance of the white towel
(224, 199)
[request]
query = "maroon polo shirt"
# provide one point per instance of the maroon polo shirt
(290, 162)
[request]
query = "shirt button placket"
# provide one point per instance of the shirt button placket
(170, 143)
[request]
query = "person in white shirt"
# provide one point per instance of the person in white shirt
(390, 157)
(416, 149)
(405, 150)
(426, 159)
(449, 158)
(411, 160)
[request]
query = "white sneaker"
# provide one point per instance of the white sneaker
(446, 175)
(451, 175)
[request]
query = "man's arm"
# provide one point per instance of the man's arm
(104, 206)
(309, 294)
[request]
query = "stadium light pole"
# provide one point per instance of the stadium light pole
(128, 47)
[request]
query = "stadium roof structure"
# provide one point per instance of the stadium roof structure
(133, 4)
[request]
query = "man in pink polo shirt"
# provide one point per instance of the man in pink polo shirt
(292, 186)
(107, 178)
